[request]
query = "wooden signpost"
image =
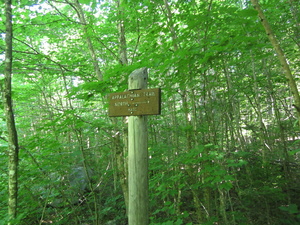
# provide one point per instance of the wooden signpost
(137, 103)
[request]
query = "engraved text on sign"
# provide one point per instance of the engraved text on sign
(135, 102)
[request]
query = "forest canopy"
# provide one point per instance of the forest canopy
(225, 149)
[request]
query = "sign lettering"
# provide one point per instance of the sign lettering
(135, 102)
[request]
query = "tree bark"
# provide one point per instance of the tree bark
(80, 13)
(13, 147)
(122, 37)
(283, 61)
(121, 154)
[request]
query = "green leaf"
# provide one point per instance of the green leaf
(170, 222)
(291, 209)
(178, 222)
(226, 185)
(86, 2)
(293, 152)
(248, 12)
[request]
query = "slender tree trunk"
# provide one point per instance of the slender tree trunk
(282, 137)
(13, 147)
(223, 201)
(80, 13)
(171, 25)
(122, 37)
(295, 13)
(121, 160)
(79, 137)
(258, 110)
(281, 57)
(176, 46)
(121, 151)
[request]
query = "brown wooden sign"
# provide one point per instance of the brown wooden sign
(135, 102)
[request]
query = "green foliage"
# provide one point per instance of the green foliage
(291, 209)
(225, 149)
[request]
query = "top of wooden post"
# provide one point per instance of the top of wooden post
(138, 79)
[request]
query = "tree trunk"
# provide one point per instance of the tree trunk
(122, 37)
(121, 152)
(80, 13)
(13, 147)
(281, 56)
(258, 109)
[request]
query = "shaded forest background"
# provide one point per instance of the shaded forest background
(225, 149)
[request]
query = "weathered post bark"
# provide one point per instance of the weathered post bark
(13, 147)
(138, 157)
